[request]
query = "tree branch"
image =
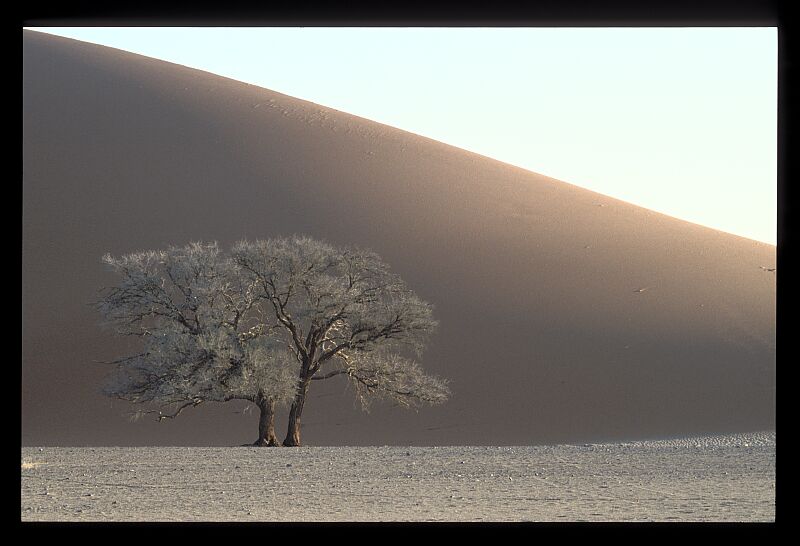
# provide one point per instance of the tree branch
(328, 375)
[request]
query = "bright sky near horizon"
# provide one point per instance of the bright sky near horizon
(679, 120)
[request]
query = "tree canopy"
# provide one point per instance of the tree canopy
(263, 321)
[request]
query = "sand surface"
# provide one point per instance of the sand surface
(721, 478)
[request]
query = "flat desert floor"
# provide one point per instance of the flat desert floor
(720, 478)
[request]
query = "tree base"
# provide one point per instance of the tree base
(263, 442)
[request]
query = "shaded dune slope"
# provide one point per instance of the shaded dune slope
(542, 334)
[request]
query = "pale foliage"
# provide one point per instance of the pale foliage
(265, 320)
(384, 374)
(202, 333)
(346, 314)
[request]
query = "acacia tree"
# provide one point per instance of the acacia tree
(346, 314)
(203, 335)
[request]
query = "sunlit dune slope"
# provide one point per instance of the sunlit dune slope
(543, 333)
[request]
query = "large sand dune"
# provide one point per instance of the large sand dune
(543, 334)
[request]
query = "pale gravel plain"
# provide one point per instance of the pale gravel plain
(721, 478)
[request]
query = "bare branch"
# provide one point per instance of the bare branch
(194, 403)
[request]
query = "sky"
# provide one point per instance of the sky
(678, 120)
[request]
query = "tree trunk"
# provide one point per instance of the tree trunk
(266, 423)
(293, 432)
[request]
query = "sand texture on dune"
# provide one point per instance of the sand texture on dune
(701, 479)
(543, 333)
